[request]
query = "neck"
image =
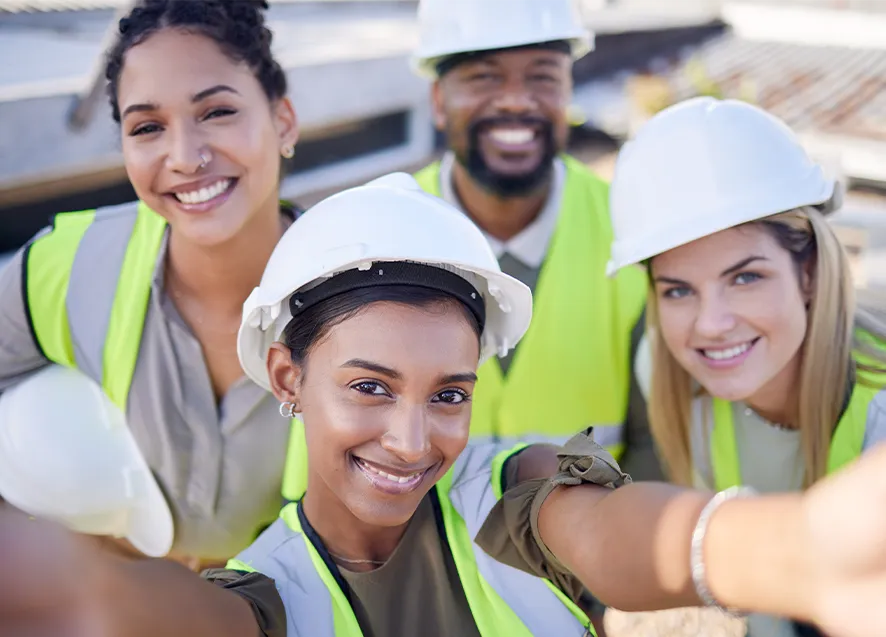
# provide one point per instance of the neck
(223, 275)
(501, 217)
(778, 400)
(346, 536)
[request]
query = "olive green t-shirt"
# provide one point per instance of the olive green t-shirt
(418, 590)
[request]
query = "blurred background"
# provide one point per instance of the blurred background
(818, 64)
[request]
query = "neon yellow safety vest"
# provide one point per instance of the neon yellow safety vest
(848, 442)
(503, 600)
(60, 271)
(572, 369)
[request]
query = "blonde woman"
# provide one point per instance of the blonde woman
(764, 370)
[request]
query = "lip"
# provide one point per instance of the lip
(728, 363)
(386, 485)
(205, 206)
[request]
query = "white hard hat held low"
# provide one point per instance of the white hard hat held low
(450, 27)
(702, 166)
(67, 455)
(390, 219)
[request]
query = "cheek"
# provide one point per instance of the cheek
(675, 326)
(450, 434)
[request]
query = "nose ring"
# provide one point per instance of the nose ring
(203, 161)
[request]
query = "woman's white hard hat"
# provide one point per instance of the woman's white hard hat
(388, 219)
(702, 166)
(67, 455)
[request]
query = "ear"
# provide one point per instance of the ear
(286, 122)
(439, 113)
(284, 375)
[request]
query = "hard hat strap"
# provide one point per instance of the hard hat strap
(394, 273)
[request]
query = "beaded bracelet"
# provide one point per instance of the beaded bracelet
(697, 565)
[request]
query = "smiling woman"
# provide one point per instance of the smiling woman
(765, 371)
(146, 298)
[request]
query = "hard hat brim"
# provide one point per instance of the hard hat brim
(656, 243)
(424, 63)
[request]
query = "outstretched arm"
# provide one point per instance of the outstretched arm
(57, 584)
(818, 557)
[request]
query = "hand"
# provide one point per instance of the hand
(846, 517)
(49, 586)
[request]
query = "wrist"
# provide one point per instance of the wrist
(758, 559)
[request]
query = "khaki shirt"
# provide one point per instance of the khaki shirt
(219, 464)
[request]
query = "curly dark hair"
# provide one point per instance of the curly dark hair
(237, 26)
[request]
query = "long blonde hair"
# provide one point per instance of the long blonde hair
(843, 341)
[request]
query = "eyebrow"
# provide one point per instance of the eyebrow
(359, 363)
(730, 270)
(198, 97)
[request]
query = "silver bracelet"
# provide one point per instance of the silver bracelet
(697, 564)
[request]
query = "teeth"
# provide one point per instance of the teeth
(726, 354)
(512, 136)
(204, 194)
(388, 476)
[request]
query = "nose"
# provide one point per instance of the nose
(515, 98)
(408, 434)
(184, 154)
(715, 317)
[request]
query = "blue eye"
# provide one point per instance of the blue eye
(743, 278)
(676, 292)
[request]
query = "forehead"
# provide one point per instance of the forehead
(716, 252)
(173, 63)
(437, 338)
(516, 60)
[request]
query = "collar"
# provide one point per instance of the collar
(530, 245)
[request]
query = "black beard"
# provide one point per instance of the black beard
(509, 185)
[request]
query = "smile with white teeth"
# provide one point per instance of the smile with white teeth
(388, 476)
(204, 194)
(512, 136)
(726, 354)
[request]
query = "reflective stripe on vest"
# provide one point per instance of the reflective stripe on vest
(503, 600)
(88, 283)
(572, 369)
(847, 443)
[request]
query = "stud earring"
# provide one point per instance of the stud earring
(288, 151)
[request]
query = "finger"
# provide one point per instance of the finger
(856, 609)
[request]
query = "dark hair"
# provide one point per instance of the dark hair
(315, 321)
(237, 26)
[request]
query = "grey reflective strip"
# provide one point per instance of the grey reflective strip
(604, 435)
(875, 426)
(540, 610)
(609, 435)
(93, 284)
(282, 554)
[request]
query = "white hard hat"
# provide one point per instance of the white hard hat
(67, 455)
(390, 219)
(702, 166)
(449, 27)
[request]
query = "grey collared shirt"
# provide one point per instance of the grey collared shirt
(219, 463)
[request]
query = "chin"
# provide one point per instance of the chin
(733, 391)
(374, 512)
